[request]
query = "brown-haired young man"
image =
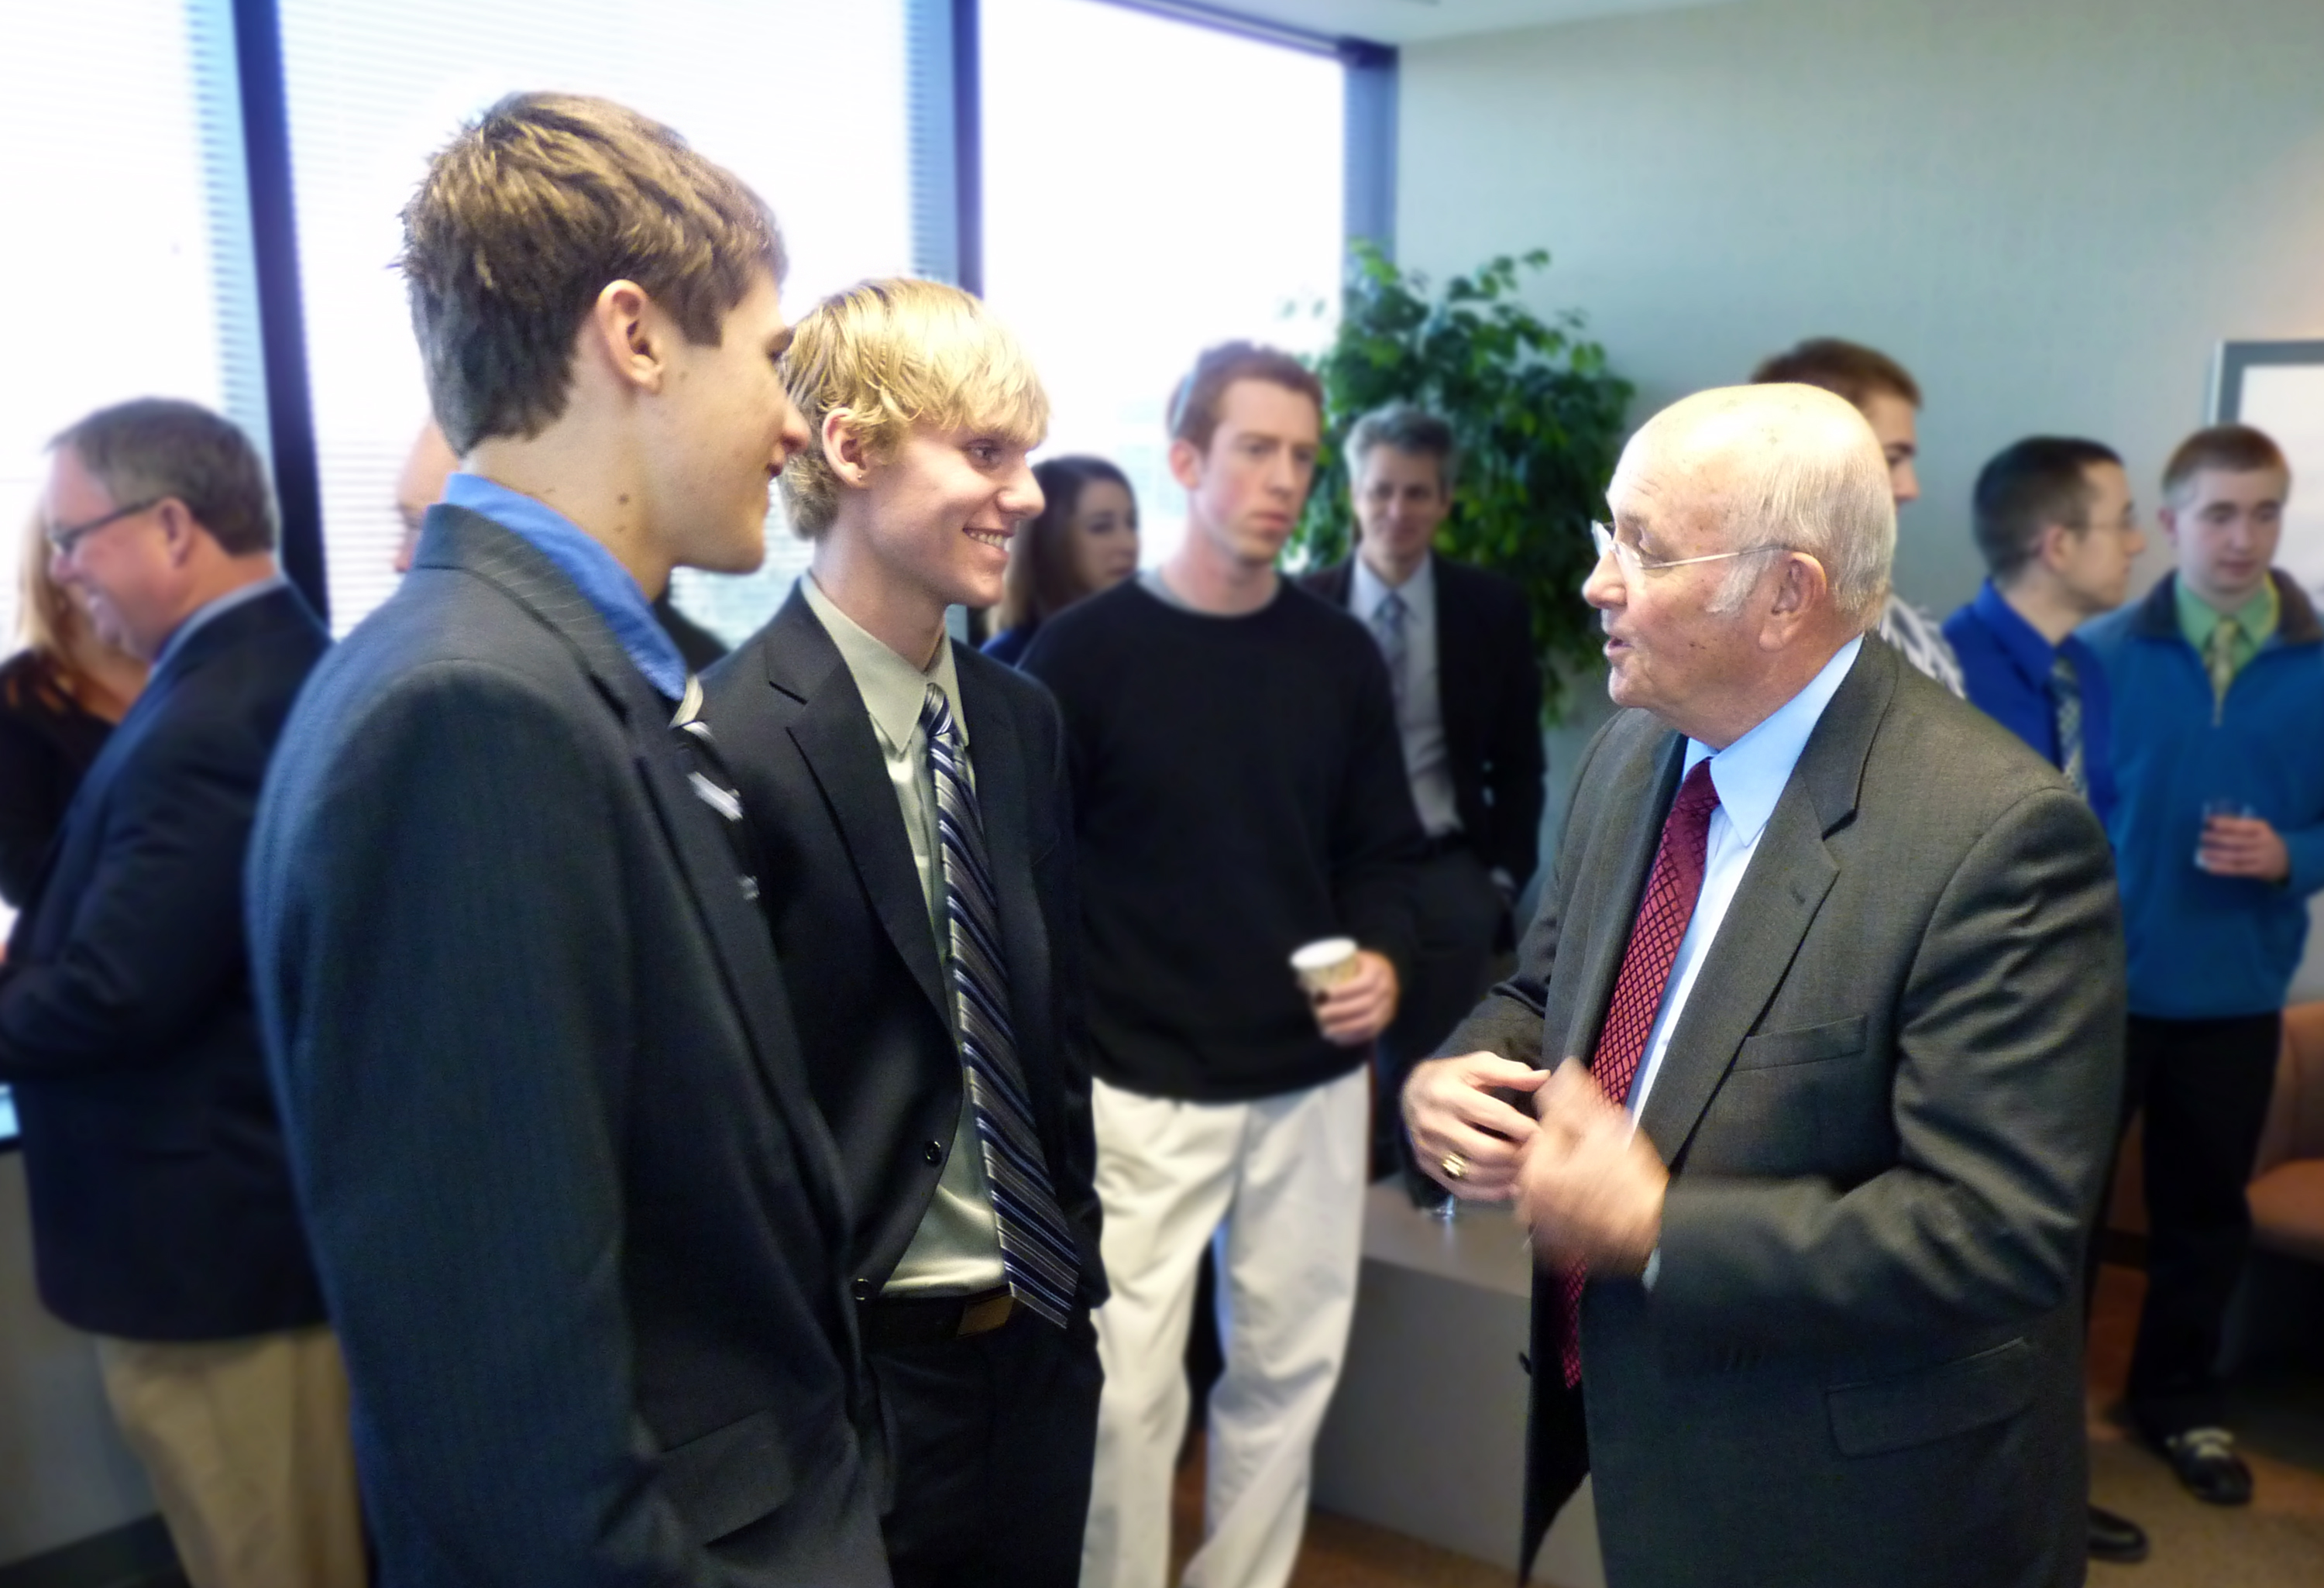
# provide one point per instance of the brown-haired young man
(577, 1217)
(2218, 837)
(1889, 399)
(1238, 791)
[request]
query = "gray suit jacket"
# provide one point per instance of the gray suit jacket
(1887, 1111)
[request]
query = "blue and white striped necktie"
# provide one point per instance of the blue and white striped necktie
(1036, 1246)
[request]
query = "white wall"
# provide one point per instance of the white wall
(64, 1473)
(2051, 211)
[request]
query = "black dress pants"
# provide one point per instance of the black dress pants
(1458, 913)
(990, 1441)
(2205, 1085)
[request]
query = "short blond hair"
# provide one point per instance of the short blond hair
(895, 353)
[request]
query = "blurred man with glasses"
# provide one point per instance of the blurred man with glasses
(163, 1213)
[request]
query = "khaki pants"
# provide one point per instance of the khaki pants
(247, 1446)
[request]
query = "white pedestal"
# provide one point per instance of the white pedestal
(1427, 1435)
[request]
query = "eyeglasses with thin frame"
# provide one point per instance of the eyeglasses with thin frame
(1634, 562)
(65, 540)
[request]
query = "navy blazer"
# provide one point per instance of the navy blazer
(1488, 684)
(851, 925)
(162, 1206)
(575, 1215)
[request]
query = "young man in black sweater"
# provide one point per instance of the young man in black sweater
(1238, 791)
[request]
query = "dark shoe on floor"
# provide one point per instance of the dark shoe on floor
(2205, 1461)
(2115, 1538)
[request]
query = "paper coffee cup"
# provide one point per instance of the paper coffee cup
(1324, 964)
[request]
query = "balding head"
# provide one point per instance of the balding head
(1772, 503)
(1788, 465)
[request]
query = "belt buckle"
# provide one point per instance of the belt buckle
(981, 1317)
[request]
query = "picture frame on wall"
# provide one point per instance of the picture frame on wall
(2278, 387)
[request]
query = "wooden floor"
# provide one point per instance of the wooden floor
(2278, 1542)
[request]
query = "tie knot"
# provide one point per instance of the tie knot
(936, 714)
(1698, 796)
(1391, 610)
(2062, 672)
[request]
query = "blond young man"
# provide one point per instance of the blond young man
(909, 796)
(1239, 790)
(577, 1217)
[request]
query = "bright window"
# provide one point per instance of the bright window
(1152, 187)
(131, 271)
(131, 274)
(805, 101)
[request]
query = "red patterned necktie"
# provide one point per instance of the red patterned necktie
(1665, 909)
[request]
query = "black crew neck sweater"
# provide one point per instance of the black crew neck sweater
(1239, 790)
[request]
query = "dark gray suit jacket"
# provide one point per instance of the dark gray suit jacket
(1887, 1111)
(579, 1222)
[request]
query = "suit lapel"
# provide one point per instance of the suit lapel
(1789, 876)
(473, 541)
(997, 758)
(834, 736)
(1607, 891)
(1458, 664)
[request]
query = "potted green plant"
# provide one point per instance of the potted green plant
(1539, 418)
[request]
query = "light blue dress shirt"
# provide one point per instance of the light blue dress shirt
(580, 557)
(1749, 775)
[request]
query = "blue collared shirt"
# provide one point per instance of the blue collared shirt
(212, 612)
(580, 557)
(1750, 775)
(2006, 663)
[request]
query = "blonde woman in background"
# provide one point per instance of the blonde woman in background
(60, 697)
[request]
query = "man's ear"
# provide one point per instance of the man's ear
(1803, 589)
(845, 451)
(627, 335)
(177, 529)
(2050, 550)
(1186, 464)
(2168, 517)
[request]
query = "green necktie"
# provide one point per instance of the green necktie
(2066, 701)
(2219, 661)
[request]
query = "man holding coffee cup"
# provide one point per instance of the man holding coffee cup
(1239, 797)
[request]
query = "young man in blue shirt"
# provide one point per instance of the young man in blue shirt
(2218, 830)
(2054, 519)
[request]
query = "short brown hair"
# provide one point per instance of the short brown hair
(527, 215)
(2238, 450)
(1194, 402)
(1847, 369)
(159, 447)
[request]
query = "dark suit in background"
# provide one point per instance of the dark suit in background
(163, 1209)
(1886, 1110)
(1488, 691)
(990, 1434)
(575, 1213)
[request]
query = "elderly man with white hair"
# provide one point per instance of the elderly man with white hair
(1804, 1080)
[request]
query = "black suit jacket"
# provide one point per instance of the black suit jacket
(1886, 1110)
(1489, 688)
(851, 925)
(575, 1211)
(162, 1205)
